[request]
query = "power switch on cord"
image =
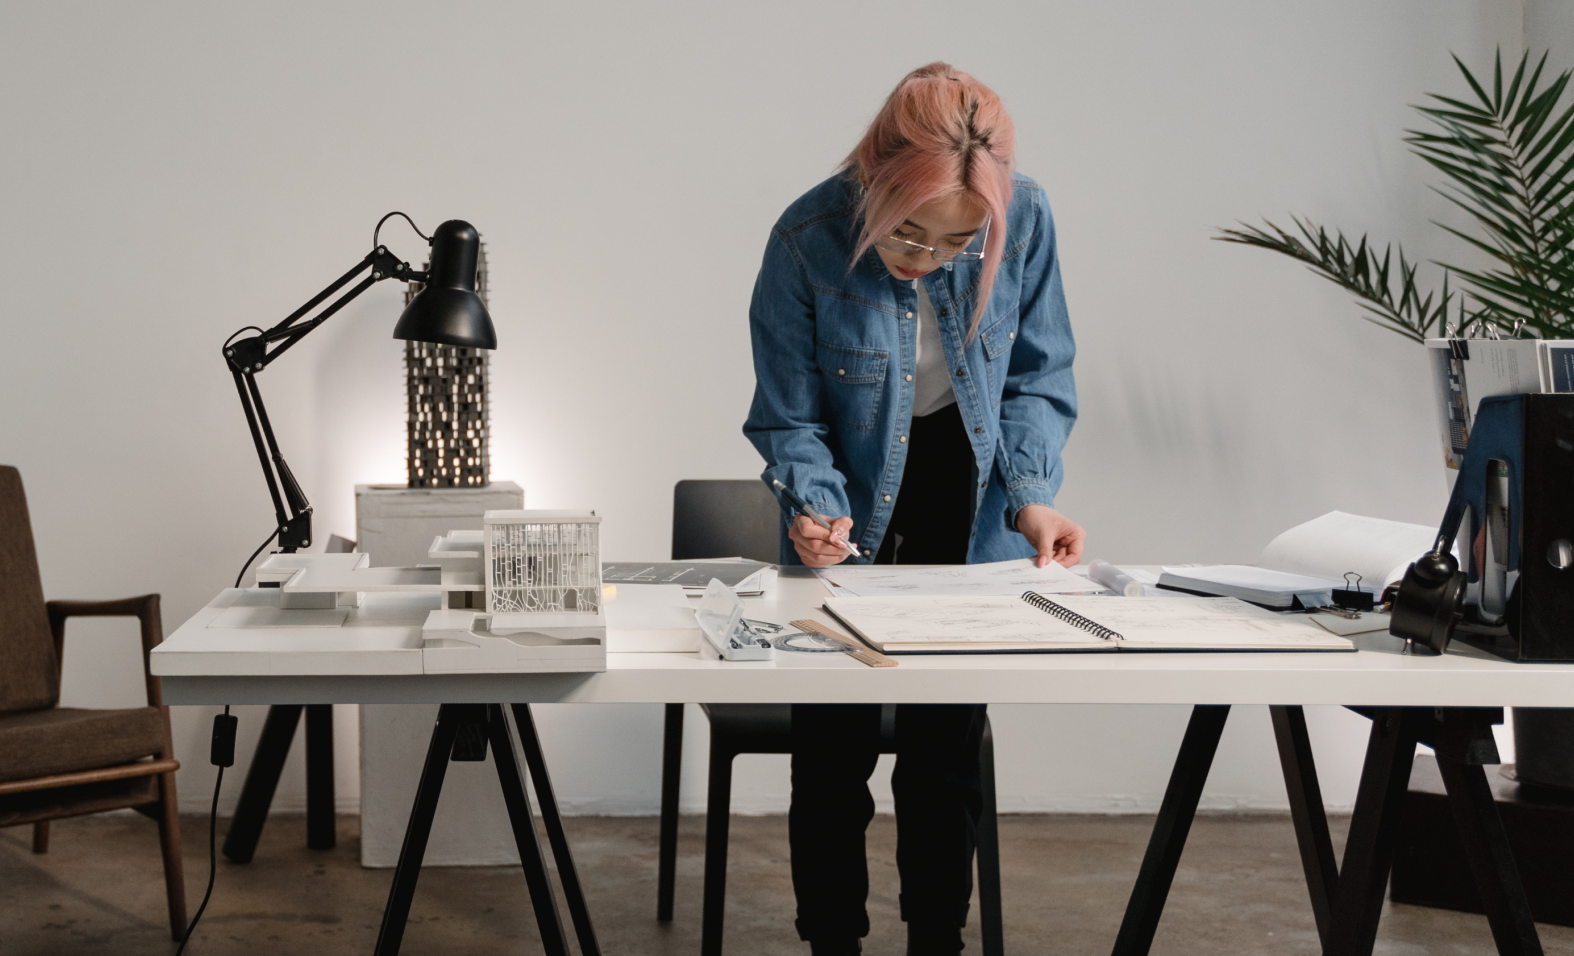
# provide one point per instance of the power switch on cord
(224, 740)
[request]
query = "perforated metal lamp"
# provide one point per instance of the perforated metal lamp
(448, 311)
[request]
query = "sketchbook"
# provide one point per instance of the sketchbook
(1033, 622)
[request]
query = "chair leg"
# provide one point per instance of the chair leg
(41, 837)
(169, 843)
(718, 806)
(990, 918)
(671, 777)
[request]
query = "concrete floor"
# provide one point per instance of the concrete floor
(1239, 890)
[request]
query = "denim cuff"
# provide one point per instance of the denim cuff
(1023, 493)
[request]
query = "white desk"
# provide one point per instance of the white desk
(375, 658)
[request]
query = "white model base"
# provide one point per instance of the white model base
(474, 642)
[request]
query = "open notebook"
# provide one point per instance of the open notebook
(1033, 622)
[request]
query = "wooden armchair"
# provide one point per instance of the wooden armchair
(67, 761)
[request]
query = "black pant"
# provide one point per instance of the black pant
(936, 782)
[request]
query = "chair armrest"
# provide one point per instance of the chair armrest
(144, 608)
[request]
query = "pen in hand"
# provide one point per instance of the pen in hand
(807, 510)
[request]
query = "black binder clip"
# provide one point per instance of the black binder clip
(1351, 597)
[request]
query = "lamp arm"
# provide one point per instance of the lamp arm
(250, 355)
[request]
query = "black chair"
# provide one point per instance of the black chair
(718, 519)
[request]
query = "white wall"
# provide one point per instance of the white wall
(175, 171)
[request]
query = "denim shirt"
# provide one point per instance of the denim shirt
(835, 356)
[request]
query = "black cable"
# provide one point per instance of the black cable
(238, 331)
(253, 557)
(406, 219)
(213, 845)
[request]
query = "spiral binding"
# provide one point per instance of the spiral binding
(1042, 603)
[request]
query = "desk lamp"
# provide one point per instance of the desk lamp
(447, 311)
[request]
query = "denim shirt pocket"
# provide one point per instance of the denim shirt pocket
(997, 341)
(855, 379)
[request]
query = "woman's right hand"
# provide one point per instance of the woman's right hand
(817, 547)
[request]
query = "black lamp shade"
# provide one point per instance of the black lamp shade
(447, 311)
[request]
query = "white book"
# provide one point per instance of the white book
(1035, 623)
(1311, 560)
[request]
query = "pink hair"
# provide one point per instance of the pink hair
(939, 133)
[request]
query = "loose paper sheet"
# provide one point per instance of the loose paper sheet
(997, 578)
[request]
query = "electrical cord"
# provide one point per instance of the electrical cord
(406, 219)
(223, 755)
(253, 557)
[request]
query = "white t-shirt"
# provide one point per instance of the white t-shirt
(931, 378)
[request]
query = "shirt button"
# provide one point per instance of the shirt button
(979, 430)
(1011, 335)
(961, 372)
(887, 497)
(909, 378)
(909, 315)
(841, 371)
(983, 484)
(866, 552)
(902, 439)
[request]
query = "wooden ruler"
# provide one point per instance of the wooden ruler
(855, 649)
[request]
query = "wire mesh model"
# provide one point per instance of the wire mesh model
(543, 562)
(448, 403)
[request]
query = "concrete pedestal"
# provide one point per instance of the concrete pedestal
(396, 525)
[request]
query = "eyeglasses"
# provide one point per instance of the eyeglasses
(904, 247)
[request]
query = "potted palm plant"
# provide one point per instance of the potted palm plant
(1507, 160)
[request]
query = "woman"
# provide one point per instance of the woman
(913, 363)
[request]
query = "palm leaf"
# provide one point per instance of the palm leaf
(1507, 162)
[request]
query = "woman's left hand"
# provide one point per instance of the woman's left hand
(1056, 536)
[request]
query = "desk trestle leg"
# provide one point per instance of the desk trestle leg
(530, 743)
(1306, 810)
(530, 857)
(1462, 738)
(463, 732)
(1465, 734)
(256, 795)
(1169, 831)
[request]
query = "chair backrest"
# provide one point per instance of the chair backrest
(725, 519)
(29, 673)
